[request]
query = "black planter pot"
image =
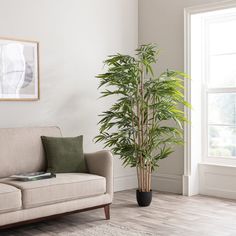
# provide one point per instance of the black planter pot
(144, 198)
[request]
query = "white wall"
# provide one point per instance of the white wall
(75, 36)
(162, 22)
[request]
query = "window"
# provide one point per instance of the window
(214, 50)
(220, 84)
(210, 138)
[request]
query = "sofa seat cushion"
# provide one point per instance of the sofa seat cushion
(65, 187)
(10, 198)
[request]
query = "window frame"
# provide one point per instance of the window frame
(206, 21)
(191, 183)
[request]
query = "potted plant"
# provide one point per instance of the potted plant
(145, 123)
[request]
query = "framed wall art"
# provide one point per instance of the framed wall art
(19, 70)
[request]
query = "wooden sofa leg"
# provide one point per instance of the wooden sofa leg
(107, 212)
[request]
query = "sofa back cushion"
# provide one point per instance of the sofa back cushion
(21, 149)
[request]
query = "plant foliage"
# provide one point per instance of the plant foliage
(145, 122)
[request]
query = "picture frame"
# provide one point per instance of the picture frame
(19, 70)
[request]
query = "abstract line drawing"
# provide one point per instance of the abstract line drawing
(19, 77)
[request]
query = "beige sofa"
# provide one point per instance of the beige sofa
(21, 151)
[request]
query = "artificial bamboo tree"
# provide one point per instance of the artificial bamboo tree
(145, 123)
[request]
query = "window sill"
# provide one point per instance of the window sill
(211, 164)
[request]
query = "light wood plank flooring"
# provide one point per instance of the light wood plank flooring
(168, 215)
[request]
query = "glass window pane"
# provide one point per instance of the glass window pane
(222, 71)
(221, 141)
(222, 36)
(222, 108)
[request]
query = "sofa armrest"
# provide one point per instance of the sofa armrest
(101, 163)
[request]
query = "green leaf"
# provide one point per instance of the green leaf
(145, 122)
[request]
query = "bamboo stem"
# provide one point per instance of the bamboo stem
(150, 177)
(142, 107)
(138, 177)
(138, 136)
(142, 177)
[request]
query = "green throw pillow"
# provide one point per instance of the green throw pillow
(64, 155)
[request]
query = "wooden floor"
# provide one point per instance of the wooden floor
(168, 215)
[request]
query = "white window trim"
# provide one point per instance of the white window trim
(190, 180)
(206, 158)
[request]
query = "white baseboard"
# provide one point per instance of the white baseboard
(190, 185)
(161, 182)
(186, 185)
(167, 183)
(125, 182)
(218, 181)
